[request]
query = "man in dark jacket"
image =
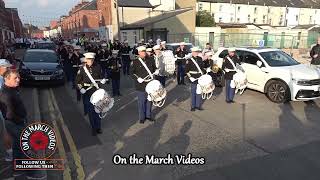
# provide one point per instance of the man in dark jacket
(14, 112)
(139, 73)
(315, 53)
(114, 64)
(229, 69)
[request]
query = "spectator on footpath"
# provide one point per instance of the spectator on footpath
(4, 66)
(315, 53)
(14, 112)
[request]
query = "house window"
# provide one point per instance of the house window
(254, 20)
(249, 18)
(200, 6)
(238, 20)
(287, 10)
(281, 20)
(239, 8)
(268, 10)
(297, 17)
(310, 20)
(231, 19)
(255, 10)
(220, 19)
(264, 19)
(270, 21)
(220, 8)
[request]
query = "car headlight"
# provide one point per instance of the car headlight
(60, 71)
(302, 82)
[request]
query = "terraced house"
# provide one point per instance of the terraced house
(272, 12)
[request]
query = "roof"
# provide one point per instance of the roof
(155, 19)
(135, 3)
(308, 26)
(276, 3)
(231, 25)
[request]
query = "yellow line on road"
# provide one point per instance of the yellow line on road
(62, 152)
(72, 145)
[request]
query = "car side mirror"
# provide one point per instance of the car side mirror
(259, 64)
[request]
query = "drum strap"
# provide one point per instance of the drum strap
(234, 66)
(197, 65)
(90, 77)
(146, 67)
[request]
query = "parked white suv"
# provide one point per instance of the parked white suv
(276, 74)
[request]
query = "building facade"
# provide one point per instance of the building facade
(275, 13)
(84, 18)
(10, 23)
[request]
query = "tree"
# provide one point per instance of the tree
(204, 19)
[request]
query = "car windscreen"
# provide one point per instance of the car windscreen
(48, 57)
(46, 46)
(278, 59)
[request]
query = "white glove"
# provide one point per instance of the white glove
(140, 80)
(103, 81)
(227, 70)
(156, 72)
(83, 91)
(192, 79)
(120, 66)
(208, 70)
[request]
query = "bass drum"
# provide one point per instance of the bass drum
(102, 102)
(207, 86)
(240, 82)
(156, 93)
(169, 61)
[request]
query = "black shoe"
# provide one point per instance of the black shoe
(150, 119)
(142, 121)
(193, 109)
(99, 131)
(94, 132)
(200, 109)
(119, 94)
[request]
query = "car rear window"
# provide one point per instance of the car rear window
(40, 57)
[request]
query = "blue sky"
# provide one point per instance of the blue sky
(40, 12)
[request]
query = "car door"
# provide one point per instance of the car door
(255, 75)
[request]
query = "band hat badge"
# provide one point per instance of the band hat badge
(156, 47)
(89, 55)
(149, 49)
(195, 49)
(141, 48)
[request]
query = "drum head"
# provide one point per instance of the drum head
(153, 86)
(97, 96)
(205, 80)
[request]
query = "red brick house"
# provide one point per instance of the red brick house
(82, 19)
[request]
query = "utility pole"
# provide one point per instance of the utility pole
(118, 21)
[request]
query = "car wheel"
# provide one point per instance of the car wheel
(278, 92)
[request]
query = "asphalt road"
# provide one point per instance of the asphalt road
(251, 139)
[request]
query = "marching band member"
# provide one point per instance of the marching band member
(181, 52)
(87, 88)
(143, 67)
(194, 69)
(149, 53)
(114, 64)
(163, 46)
(102, 57)
(229, 70)
(125, 53)
(159, 61)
